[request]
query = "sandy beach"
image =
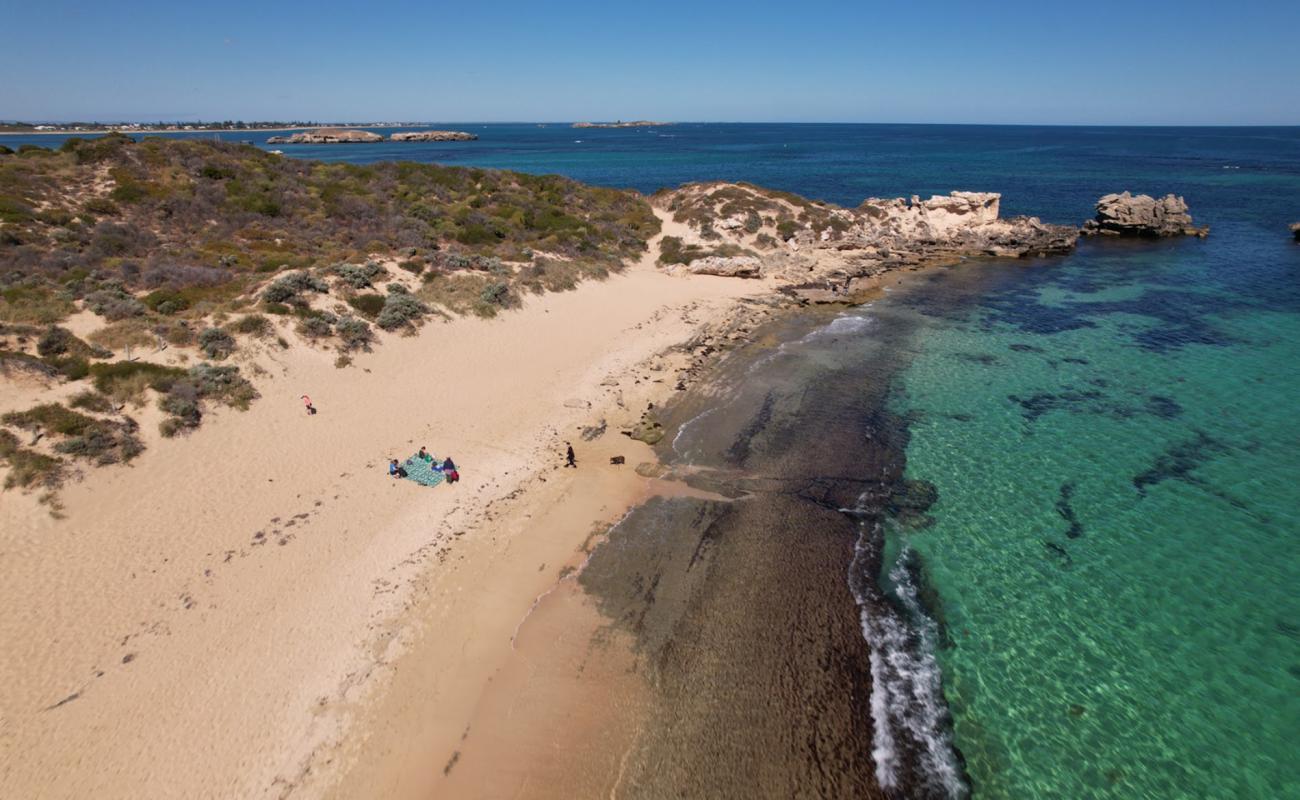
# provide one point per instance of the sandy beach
(227, 616)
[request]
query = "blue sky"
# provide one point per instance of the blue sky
(1097, 62)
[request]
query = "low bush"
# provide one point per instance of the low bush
(133, 377)
(315, 327)
(166, 301)
(35, 304)
(291, 287)
(216, 343)
(360, 276)
(400, 309)
(253, 325)
(28, 468)
(92, 401)
(355, 333)
(368, 304)
(112, 302)
(50, 418)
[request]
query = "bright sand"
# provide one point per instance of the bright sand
(155, 645)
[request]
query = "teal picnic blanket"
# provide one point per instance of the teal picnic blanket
(421, 471)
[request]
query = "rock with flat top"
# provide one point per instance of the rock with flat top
(1127, 214)
(433, 136)
(328, 136)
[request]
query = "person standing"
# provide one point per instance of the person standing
(569, 460)
(306, 401)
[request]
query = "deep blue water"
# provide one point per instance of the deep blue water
(1053, 172)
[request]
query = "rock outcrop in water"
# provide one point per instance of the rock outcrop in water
(1295, 230)
(1143, 215)
(640, 123)
(433, 136)
(327, 136)
(825, 253)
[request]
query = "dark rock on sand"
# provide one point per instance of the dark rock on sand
(1143, 215)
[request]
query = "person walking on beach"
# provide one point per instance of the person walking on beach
(569, 460)
(306, 401)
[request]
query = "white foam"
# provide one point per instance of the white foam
(906, 682)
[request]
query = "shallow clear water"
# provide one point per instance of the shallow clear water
(1114, 548)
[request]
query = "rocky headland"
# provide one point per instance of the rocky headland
(817, 252)
(1143, 215)
(328, 136)
(641, 123)
(433, 136)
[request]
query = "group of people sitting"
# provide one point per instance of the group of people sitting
(447, 467)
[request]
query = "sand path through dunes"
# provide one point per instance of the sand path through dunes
(207, 619)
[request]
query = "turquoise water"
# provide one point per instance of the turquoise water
(1113, 558)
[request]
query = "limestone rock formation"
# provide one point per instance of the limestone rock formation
(728, 266)
(1142, 215)
(824, 253)
(1295, 230)
(433, 136)
(327, 136)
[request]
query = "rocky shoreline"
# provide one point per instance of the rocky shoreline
(820, 253)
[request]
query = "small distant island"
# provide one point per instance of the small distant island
(641, 123)
(433, 136)
(346, 136)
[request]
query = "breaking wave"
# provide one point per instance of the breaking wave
(912, 746)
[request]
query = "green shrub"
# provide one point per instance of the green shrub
(368, 304)
(50, 418)
(496, 294)
(290, 287)
(28, 468)
(315, 327)
(413, 267)
(109, 378)
(34, 304)
(102, 206)
(166, 301)
(56, 341)
(355, 333)
(112, 302)
(400, 309)
(216, 343)
(92, 401)
(360, 276)
(253, 324)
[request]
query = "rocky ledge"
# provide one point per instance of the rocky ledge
(1142, 215)
(327, 136)
(433, 136)
(818, 252)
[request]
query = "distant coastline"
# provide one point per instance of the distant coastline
(11, 130)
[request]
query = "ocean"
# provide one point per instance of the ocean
(1056, 499)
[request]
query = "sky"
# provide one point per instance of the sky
(1148, 62)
